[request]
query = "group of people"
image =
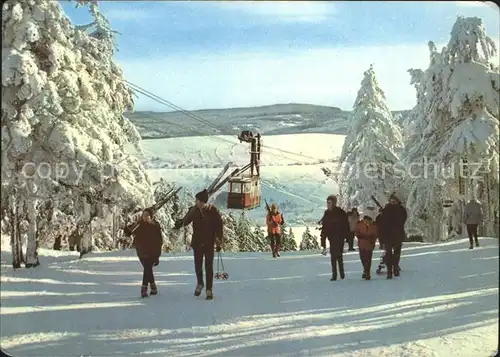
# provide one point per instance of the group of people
(336, 225)
(339, 227)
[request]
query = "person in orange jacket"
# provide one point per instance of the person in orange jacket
(274, 220)
(366, 231)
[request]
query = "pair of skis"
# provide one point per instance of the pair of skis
(161, 202)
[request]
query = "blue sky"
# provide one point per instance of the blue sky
(233, 54)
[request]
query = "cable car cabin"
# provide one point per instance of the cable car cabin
(244, 192)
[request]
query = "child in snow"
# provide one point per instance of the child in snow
(207, 233)
(366, 231)
(148, 243)
(274, 220)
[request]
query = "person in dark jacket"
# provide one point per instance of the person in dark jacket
(378, 221)
(335, 227)
(207, 233)
(148, 244)
(393, 221)
(473, 217)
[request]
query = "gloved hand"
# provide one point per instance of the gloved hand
(157, 261)
(178, 224)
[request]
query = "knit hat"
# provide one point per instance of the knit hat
(202, 196)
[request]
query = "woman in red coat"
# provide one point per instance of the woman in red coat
(274, 221)
(366, 231)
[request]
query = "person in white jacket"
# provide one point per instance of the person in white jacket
(473, 216)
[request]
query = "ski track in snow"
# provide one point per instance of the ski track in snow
(444, 304)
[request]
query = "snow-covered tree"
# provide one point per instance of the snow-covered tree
(370, 152)
(260, 239)
(230, 228)
(288, 240)
(456, 123)
(244, 234)
(309, 241)
(63, 99)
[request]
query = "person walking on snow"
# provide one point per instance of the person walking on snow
(473, 216)
(207, 233)
(335, 227)
(274, 220)
(380, 235)
(148, 244)
(366, 231)
(353, 218)
(393, 219)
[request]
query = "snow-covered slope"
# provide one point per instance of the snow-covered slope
(444, 304)
(271, 119)
(291, 168)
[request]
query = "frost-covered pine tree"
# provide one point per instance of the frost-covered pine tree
(309, 242)
(290, 244)
(244, 234)
(457, 116)
(229, 231)
(370, 150)
(284, 237)
(63, 99)
(260, 239)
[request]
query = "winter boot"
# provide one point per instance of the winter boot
(363, 276)
(477, 243)
(396, 271)
(278, 250)
(389, 271)
(199, 288)
(341, 268)
(210, 296)
(368, 277)
(273, 249)
(471, 246)
(154, 289)
(144, 291)
(324, 251)
(334, 277)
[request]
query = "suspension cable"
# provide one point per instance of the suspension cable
(160, 100)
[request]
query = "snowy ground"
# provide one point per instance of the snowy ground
(444, 304)
(291, 168)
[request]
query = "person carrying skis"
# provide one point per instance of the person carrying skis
(473, 216)
(366, 231)
(207, 233)
(335, 227)
(148, 244)
(274, 220)
(393, 221)
(353, 217)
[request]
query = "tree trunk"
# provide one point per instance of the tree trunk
(86, 243)
(15, 233)
(31, 248)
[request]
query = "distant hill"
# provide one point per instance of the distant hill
(271, 119)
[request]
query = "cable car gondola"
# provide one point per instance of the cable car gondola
(244, 188)
(243, 183)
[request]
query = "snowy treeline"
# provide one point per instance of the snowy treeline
(450, 139)
(64, 164)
